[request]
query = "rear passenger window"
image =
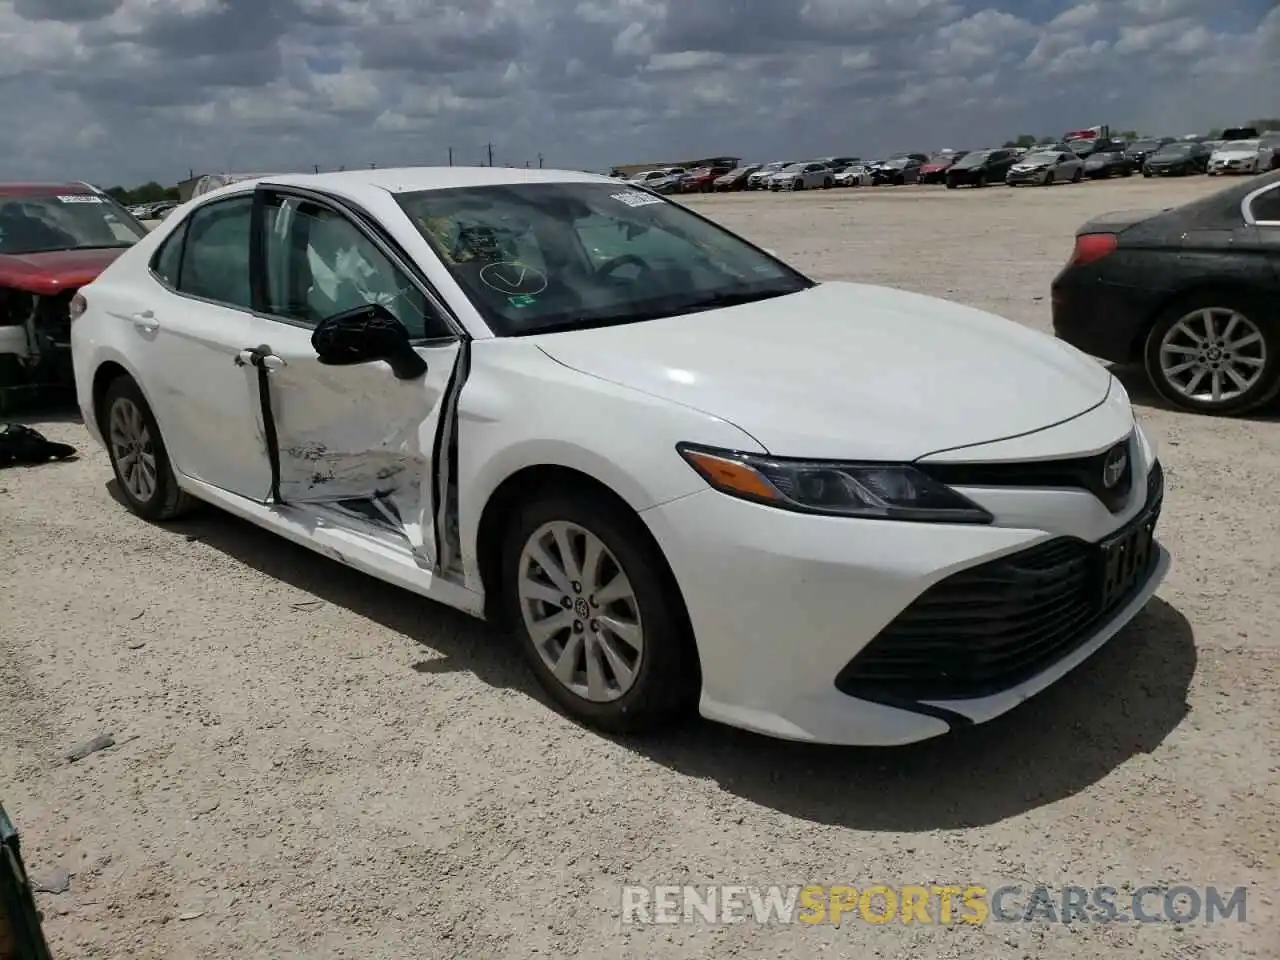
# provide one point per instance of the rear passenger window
(215, 259)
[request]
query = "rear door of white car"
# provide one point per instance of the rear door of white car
(187, 312)
(353, 435)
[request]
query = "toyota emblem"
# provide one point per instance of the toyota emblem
(1114, 466)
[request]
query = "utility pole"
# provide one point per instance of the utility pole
(317, 167)
(526, 164)
(490, 146)
(539, 161)
(451, 156)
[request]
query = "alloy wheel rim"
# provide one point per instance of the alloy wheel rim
(1213, 355)
(132, 449)
(581, 612)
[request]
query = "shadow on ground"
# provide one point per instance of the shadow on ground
(1121, 703)
(1138, 384)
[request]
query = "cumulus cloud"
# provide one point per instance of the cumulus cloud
(132, 90)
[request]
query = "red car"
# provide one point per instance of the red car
(935, 171)
(702, 180)
(54, 239)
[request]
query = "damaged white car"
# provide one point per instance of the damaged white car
(687, 476)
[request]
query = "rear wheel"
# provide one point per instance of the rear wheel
(1216, 353)
(981, 181)
(138, 454)
(598, 617)
(1077, 176)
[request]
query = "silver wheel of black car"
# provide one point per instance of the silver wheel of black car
(1215, 354)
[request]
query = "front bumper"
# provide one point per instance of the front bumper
(785, 605)
(1233, 166)
(1026, 176)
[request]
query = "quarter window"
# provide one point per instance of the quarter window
(215, 258)
(168, 260)
(1265, 207)
(318, 264)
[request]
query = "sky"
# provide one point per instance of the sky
(127, 91)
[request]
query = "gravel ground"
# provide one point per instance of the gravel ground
(311, 763)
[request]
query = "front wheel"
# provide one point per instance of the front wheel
(1077, 176)
(597, 615)
(138, 455)
(981, 181)
(1216, 353)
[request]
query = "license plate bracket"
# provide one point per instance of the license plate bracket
(1127, 557)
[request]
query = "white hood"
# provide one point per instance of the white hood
(848, 371)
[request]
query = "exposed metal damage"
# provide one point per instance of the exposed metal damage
(35, 342)
(384, 458)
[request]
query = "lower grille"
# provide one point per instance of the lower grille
(992, 627)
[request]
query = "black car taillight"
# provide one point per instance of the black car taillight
(1091, 247)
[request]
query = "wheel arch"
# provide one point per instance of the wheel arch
(523, 486)
(1239, 288)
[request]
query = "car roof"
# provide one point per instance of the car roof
(413, 179)
(37, 189)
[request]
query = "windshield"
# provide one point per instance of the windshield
(974, 159)
(541, 257)
(1174, 149)
(1106, 156)
(1143, 146)
(1240, 145)
(83, 221)
(1042, 157)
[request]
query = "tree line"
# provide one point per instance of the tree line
(147, 193)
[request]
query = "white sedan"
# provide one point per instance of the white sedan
(687, 477)
(1237, 156)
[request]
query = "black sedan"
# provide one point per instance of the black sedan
(897, 171)
(981, 167)
(1139, 150)
(1192, 292)
(1110, 163)
(1177, 160)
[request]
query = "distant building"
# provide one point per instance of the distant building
(187, 186)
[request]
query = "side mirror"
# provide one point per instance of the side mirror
(364, 335)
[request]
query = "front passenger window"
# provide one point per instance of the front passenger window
(320, 264)
(215, 260)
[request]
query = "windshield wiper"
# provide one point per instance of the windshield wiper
(102, 246)
(718, 300)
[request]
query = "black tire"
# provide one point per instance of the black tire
(1258, 310)
(827, 183)
(668, 681)
(1127, 172)
(1146, 173)
(1077, 176)
(167, 500)
(951, 184)
(1048, 179)
(981, 181)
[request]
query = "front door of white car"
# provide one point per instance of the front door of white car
(356, 435)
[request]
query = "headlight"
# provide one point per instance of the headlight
(872, 491)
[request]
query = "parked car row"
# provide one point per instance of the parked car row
(153, 211)
(1071, 160)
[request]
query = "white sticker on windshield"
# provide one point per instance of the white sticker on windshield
(634, 198)
(80, 198)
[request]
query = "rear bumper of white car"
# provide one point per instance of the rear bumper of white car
(870, 632)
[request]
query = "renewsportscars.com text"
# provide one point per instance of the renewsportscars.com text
(933, 904)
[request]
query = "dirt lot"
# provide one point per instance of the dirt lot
(310, 763)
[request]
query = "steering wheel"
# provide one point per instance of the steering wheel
(609, 266)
